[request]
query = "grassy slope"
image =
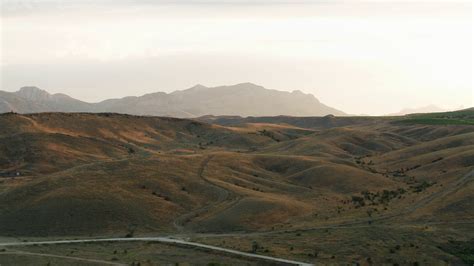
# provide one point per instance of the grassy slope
(96, 174)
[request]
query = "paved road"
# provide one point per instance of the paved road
(165, 240)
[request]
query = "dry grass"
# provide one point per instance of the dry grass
(109, 174)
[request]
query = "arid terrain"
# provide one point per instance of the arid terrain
(320, 190)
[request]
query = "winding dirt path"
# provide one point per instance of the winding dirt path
(224, 197)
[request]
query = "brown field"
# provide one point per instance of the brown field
(330, 190)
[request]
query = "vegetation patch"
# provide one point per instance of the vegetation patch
(371, 198)
(462, 117)
(461, 249)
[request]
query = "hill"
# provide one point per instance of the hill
(270, 180)
(245, 99)
(460, 117)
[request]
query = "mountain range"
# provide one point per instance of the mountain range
(244, 99)
(420, 110)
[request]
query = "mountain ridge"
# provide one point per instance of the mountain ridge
(419, 110)
(243, 99)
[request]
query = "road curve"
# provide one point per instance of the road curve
(165, 240)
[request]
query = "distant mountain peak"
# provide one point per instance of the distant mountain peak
(298, 92)
(30, 89)
(198, 87)
(248, 84)
(33, 93)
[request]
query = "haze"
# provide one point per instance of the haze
(359, 57)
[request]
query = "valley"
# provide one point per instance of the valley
(318, 190)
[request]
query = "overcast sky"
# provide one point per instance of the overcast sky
(361, 57)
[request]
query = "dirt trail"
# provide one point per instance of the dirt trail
(446, 190)
(224, 197)
(364, 223)
(452, 187)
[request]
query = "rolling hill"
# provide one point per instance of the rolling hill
(236, 180)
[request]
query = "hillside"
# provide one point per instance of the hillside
(245, 99)
(460, 117)
(242, 180)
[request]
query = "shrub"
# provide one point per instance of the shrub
(255, 246)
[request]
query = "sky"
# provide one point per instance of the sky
(362, 57)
